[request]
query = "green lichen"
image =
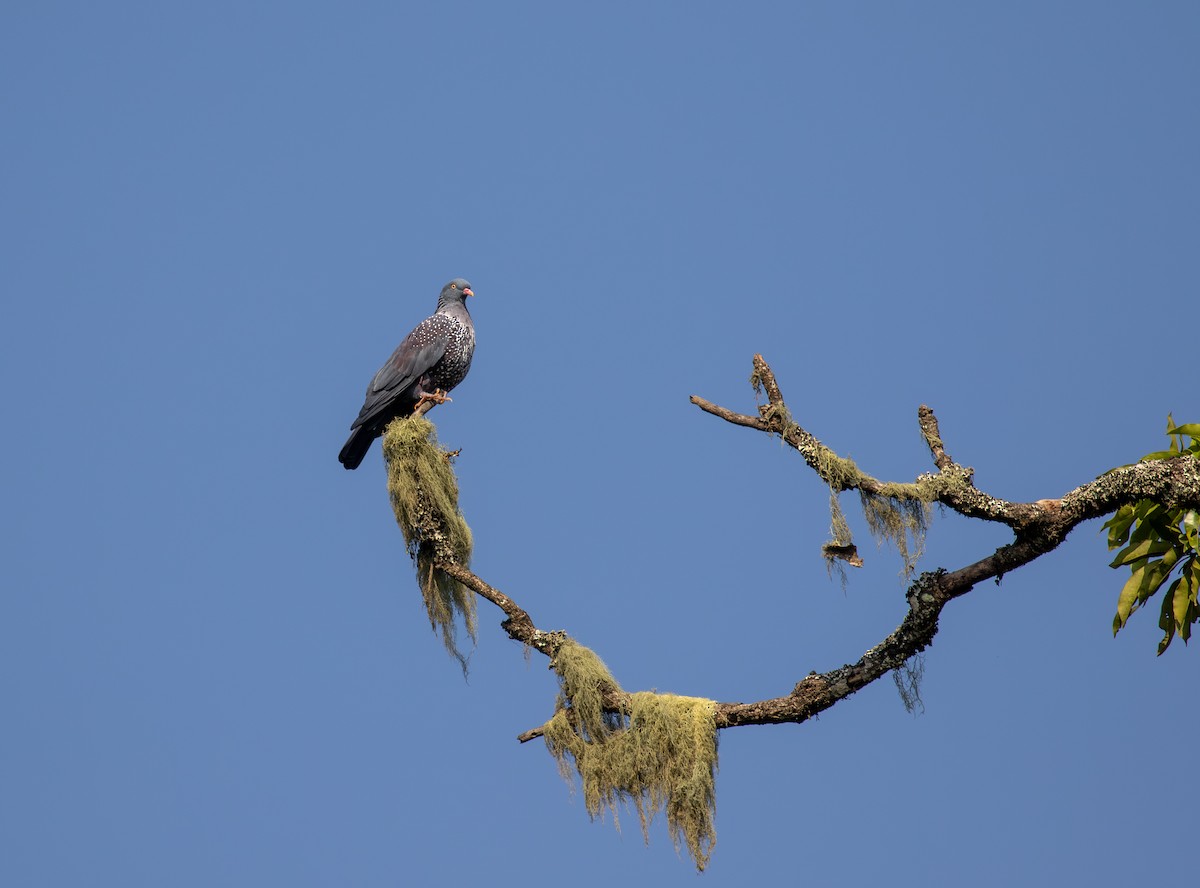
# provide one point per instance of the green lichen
(895, 513)
(585, 682)
(899, 520)
(657, 752)
(779, 413)
(838, 471)
(424, 494)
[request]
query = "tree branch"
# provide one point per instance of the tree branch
(933, 437)
(1038, 528)
(952, 486)
(517, 623)
(729, 416)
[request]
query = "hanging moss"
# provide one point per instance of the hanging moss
(585, 682)
(840, 550)
(899, 521)
(895, 513)
(658, 754)
(424, 494)
(908, 679)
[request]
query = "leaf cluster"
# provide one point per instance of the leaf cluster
(1157, 543)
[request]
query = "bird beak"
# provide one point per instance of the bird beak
(467, 291)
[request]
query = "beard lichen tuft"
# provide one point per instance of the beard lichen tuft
(896, 517)
(658, 753)
(840, 472)
(908, 683)
(424, 494)
(895, 513)
(585, 682)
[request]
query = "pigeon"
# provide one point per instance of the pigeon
(432, 359)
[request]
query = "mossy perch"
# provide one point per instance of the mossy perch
(424, 494)
(658, 753)
(895, 513)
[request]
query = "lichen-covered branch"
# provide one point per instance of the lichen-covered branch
(517, 623)
(951, 486)
(658, 752)
(424, 495)
(933, 437)
(1038, 527)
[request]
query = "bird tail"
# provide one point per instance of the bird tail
(356, 448)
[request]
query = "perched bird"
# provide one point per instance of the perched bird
(432, 359)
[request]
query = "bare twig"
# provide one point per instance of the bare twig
(933, 437)
(741, 419)
(763, 374)
(518, 624)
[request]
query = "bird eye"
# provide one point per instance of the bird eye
(455, 286)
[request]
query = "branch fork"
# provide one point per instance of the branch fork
(1038, 527)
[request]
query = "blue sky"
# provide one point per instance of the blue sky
(220, 218)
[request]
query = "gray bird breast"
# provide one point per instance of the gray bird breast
(460, 348)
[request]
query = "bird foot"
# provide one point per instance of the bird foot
(430, 398)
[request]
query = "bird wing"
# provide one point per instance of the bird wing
(412, 359)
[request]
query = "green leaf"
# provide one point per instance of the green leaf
(1188, 622)
(1136, 551)
(1191, 576)
(1166, 613)
(1153, 539)
(1127, 600)
(1152, 519)
(1118, 526)
(1191, 528)
(1191, 429)
(1166, 620)
(1153, 577)
(1185, 631)
(1162, 524)
(1180, 606)
(1181, 593)
(1161, 454)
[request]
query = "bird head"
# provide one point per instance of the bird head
(457, 290)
